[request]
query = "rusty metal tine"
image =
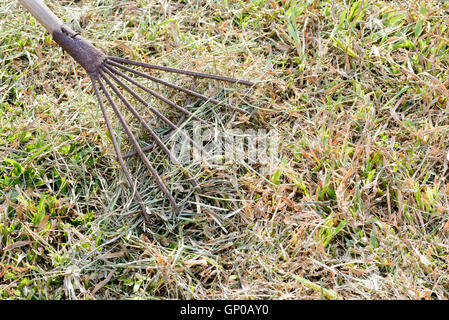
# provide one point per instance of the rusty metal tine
(186, 72)
(148, 128)
(153, 145)
(160, 115)
(174, 86)
(155, 94)
(111, 73)
(136, 145)
(136, 193)
(172, 131)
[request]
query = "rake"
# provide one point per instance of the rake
(104, 71)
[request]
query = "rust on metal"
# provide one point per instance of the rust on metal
(88, 56)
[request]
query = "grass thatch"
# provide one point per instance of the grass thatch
(358, 207)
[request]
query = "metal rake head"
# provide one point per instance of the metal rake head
(110, 72)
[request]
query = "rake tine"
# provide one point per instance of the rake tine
(136, 193)
(153, 93)
(175, 70)
(136, 145)
(160, 115)
(174, 86)
(146, 126)
(153, 145)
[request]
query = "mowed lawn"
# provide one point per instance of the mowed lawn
(357, 208)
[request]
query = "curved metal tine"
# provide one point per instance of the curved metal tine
(159, 142)
(153, 145)
(136, 193)
(186, 72)
(136, 145)
(165, 139)
(153, 93)
(160, 115)
(174, 86)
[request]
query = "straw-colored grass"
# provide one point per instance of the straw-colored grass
(358, 208)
